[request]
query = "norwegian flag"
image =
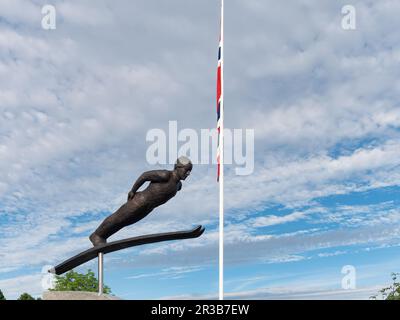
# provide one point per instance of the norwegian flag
(219, 106)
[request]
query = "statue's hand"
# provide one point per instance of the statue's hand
(131, 194)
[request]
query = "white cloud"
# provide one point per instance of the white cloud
(298, 182)
(169, 273)
(287, 294)
(14, 287)
(274, 220)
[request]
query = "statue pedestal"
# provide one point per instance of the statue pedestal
(76, 295)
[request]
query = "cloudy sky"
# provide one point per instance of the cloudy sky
(77, 102)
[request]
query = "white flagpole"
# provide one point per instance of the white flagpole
(221, 177)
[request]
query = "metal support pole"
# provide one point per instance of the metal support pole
(100, 272)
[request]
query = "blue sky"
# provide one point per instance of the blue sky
(76, 104)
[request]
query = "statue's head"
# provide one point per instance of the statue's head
(183, 167)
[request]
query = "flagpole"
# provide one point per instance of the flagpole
(221, 177)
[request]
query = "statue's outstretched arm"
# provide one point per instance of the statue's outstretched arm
(152, 176)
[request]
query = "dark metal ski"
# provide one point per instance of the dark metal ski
(123, 244)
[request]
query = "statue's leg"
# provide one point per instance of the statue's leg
(107, 228)
(123, 217)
